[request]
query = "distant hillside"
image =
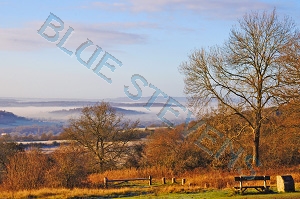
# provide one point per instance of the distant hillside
(10, 118)
(78, 111)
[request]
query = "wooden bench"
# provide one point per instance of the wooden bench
(263, 188)
(106, 180)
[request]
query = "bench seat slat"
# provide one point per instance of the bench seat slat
(249, 178)
(262, 187)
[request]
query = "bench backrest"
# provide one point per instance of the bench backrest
(249, 178)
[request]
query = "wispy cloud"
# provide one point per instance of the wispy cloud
(214, 9)
(26, 38)
(110, 5)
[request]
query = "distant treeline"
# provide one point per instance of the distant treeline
(32, 132)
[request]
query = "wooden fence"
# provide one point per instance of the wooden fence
(106, 180)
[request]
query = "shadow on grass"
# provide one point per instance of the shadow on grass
(113, 195)
(270, 193)
(117, 195)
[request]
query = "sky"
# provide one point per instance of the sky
(149, 38)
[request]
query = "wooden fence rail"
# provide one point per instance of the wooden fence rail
(106, 180)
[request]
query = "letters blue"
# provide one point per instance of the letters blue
(103, 62)
(168, 107)
(134, 78)
(48, 23)
(81, 48)
(154, 96)
(63, 40)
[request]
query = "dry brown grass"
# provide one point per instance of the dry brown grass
(69, 193)
(202, 178)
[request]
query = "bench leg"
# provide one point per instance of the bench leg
(267, 190)
(243, 190)
(259, 190)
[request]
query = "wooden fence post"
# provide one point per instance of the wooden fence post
(173, 180)
(105, 182)
(150, 180)
(163, 180)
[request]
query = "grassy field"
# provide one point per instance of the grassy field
(221, 194)
(204, 184)
(145, 192)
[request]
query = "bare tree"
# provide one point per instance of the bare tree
(167, 148)
(249, 72)
(71, 166)
(104, 132)
(290, 58)
(7, 150)
(26, 170)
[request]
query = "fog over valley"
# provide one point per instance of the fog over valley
(59, 111)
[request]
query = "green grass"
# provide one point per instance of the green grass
(220, 195)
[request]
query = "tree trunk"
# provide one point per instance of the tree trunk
(255, 155)
(100, 162)
(101, 157)
(255, 160)
(258, 121)
(101, 167)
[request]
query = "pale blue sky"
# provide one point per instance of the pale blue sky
(150, 37)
